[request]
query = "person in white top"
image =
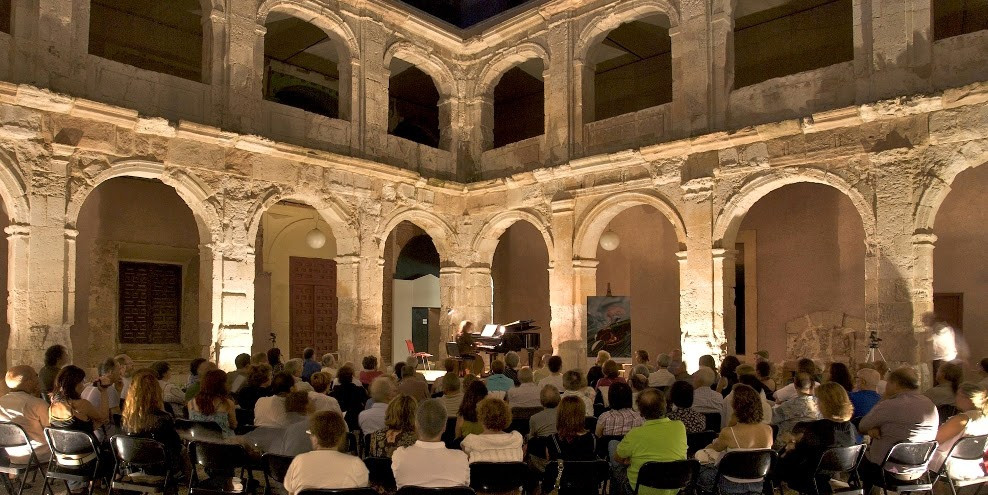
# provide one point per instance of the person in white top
(170, 393)
(493, 445)
(270, 411)
(576, 386)
(705, 399)
(110, 373)
(804, 365)
(326, 467)
(526, 394)
(382, 390)
(429, 463)
(126, 366)
(943, 342)
(661, 377)
(972, 402)
(23, 407)
(555, 378)
(320, 382)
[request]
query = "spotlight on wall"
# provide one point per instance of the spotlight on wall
(315, 238)
(610, 241)
(449, 312)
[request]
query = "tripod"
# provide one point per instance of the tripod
(870, 356)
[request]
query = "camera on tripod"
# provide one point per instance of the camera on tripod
(873, 340)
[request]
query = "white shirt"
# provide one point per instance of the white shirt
(325, 469)
(323, 402)
(661, 378)
(301, 386)
(31, 413)
(270, 412)
(525, 395)
(943, 345)
(554, 380)
(171, 393)
(789, 391)
(92, 394)
(497, 447)
(706, 400)
(372, 419)
(430, 465)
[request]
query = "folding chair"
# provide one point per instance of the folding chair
(579, 477)
(75, 457)
(419, 490)
(967, 449)
(380, 473)
(497, 476)
(275, 468)
(422, 357)
(834, 461)
(905, 468)
(137, 459)
(673, 475)
(13, 437)
(340, 491)
(220, 462)
(746, 465)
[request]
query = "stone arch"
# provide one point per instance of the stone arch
(196, 194)
(442, 234)
(491, 74)
(937, 186)
(592, 226)
(13, 190)
(318, 16)
(489, 236)
(426, 61)
(737, 206)
(339, 217)
(622, 12)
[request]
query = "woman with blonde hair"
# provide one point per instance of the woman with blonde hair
(972, 420)
(597, 370)
(399, 428)
(493, 444)
(144, 415)
(811, 438)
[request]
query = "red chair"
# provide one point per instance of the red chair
(423, 356)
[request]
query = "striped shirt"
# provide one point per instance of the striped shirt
(619, 421)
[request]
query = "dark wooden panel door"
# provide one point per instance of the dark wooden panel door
(949, 308)
(313, 306)
(420, 329)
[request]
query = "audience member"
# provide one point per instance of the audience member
(194, 368)
(804, 365)
(498, 381)
(295, 437)
(678, 370)
(493, 444)
(572, 441)
(258, 385)
(526, 394)
(69, 410)
(413, 384)
(325, 467)
(543, 423)
(750, 380)
(705, 399)
(948, 379)
(56, 357)
(661, 377)
(621, 418)
(764, 370)
(144, 416)
(399, 428)
(294, 367)
(125, 365)
(942, 339)
(681, 396)
(428, 463)
(810, 439)
(383, 389)
(641, 357)
(801, 408)
(707, 361)
(213, 403)
(883, 370)
(172, 395)
(639, 383)
(23, 407)
(274, 360)
(202, 367)
(657, 439)
(555, 378)
(511, 361)
(259, 358)
(235, 380)
(865, 395)
(109, 377)
(351, 396)
(309, 364)
(369, 371)
(449, 364)
(543, 369)
(838, 373)
(452, 394)
(320, 382)
(574, 386)
(596, 371)
(728, 375)
(328, 363)
(904, 415)
(747, 433)
(467, 421)
(612, 375)
(270, 411)
(972, 420)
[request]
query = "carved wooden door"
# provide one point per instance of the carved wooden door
(312, 305)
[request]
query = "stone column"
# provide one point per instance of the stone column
(722, 75)
(922, 290)
(567, 297)
(226, 302)
(692, 90)
(452, 310)
(584, 104)
(701, 278)
(359, 291)
(214, 61)
(584, 281)
(241, 88)
(476, 295)
(559, 84)
(893, 47)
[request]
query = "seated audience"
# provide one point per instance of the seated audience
(235, 380)
(213, 403)
(295, 439)
(641, 358)
(259, 358)
(309, 364)
(543, 423)
(661, 377)
(972, 420)
(144, 416)
(125, 365)
(325, 467)
(56, 357)
(801, 408)
(707, 361)
(612, 375)
(572, 441)
(449, 365)
(804, 365)
(369, 371)
(351, 396)
(597, 370)
(108, 373)
(574, 386)
(883, 370)
(413, 384)
(810, 439)
(428, 463)
(526, 394)
(258, 385)
(748, 432)
(949, 378)
(320, 382)
(493, 444)
(543, 370)
(23, 407)
(399, 428)
(197, 368)
(294, 367)
(752, 381)
(382, 390)
(555, 377)
(270, 411)
(172, 395)
(764, 370)
(274, 360)
(728, 375)
(621, 418)
(865, 395)
(657, 439)
(498, 381)
(452, 394)
(838, 373)
(70, 411)
(466, 418)
(639, 383)
(705, 399)
(681, 396)
(511, 361)
(904, 415)
(328, 363)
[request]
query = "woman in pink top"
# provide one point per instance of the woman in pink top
(370, 371)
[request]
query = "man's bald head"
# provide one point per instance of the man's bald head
(22, 378)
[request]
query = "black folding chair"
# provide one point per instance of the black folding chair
(520, 417)
(746, 465)
(75, 457)
(141, 465)
(672, 475)
(380, 473)
(713, 421)
(967, 449)
(497, 476)
(275, 468)
(835, 461)
(12, 436)
(905, 468)
(220, 462)
(697, 441)
(449, 435)
(604, 442)
(419, 490)
(578, 476)
(339, 491)
(200, 431)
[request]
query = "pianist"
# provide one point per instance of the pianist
(465, 342)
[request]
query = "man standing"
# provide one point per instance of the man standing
(428, 463)
(658, 439)
(309, 364)
(23, 406)
(943, 343)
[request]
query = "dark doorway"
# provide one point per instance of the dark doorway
(739, 301)
(420, 329)
(949, 307)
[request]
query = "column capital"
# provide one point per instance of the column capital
(682, 256)
(476, 270)
(450, 270)
(71, 234)
(585, 264)
(18, 230)
(350, 260)
(722, 254)
(924, 239)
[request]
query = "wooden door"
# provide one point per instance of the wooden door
(313, 305)
(949, 308)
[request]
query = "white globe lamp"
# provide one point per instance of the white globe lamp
(610, 241)
(315, 239)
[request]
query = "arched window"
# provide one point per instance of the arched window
(957, 17)
(6, 16)
(413, 104)
(519, 103)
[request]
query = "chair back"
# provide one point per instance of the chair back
(603, 444)
(746, 464)
(380, 473)
(911, 454)
(70, 443)
(713, 421)
(969, 448)
(579, 476)
(218, 456)
(137, 451)
(276, 466)
(410, 345)
(12, 435)
(699, 440)
(339, 491)
(452, 349)
(525, 413)
(419, 490)
(673, 475)
(497, 476)
(449, 435)
(841, 459)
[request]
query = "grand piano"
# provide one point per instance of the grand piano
(498, 339)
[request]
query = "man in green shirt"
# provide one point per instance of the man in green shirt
(659, 439)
